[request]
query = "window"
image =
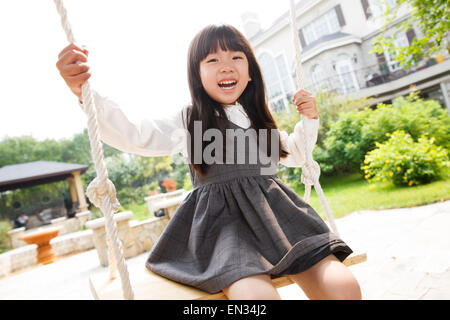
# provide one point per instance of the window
(286, 78)
(309, 33)
(270, 75)
(346, 74)
(277, 79)
(322, 26)
(319, 78)
(400, 41)
(377, 7)
(333, 21)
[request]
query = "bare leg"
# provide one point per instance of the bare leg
(329, 279)
(257, 287)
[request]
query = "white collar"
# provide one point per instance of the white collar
(237, 107)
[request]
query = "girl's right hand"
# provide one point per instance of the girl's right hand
(73, 67)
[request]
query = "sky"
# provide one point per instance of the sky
(138, 51)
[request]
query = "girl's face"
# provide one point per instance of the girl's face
(224, 75)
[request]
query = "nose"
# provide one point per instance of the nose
(226, 68)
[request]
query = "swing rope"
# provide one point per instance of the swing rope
(311, 169)
(101, 190)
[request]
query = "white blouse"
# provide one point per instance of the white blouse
(166, 135)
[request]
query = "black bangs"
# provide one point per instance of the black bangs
(214, 37)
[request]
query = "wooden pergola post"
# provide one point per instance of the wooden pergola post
(73, 191)
(79, 191)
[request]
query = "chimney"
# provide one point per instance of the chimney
(251, 24)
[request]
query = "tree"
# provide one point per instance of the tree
(78, 150)
(153, 168)
(432, 17)
(180, 169)
(15, 150)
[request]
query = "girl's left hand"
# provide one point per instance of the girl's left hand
(306, 104)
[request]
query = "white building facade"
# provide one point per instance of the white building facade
(336, 38)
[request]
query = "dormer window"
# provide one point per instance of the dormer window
(326, 24)
(330, 22)
(376, 8)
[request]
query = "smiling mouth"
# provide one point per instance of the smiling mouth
(227, 85)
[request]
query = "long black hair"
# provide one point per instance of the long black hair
(203, 107)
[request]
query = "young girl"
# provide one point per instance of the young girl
(237, 228)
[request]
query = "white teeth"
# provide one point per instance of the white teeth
(227, 82)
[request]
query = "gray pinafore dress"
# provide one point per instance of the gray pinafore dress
(236, 223)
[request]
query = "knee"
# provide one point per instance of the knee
(257, 287)
(349, 290)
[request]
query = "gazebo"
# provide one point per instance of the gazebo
(18, 176)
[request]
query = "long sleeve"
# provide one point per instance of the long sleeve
(151, 137)
(306, 128)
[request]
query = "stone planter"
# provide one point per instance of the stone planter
(153, 202)
(14, 235)
(18, 259)
(136, 236)
(123, 229)
(83, 216)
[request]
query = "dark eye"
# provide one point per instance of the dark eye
(211, 60)
(237, 57)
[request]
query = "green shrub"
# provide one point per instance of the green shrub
(129, 195)
(331, 105)
(154, 185)
(322, 157)
(405, 162)
(187, 183)
(95, 213)
(344, 145)
(5, 241)
(356, 133)
(411, 114)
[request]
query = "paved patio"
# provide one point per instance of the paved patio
(408, 258)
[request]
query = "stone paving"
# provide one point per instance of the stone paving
(408, 253)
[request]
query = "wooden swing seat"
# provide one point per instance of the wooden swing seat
(148, 285)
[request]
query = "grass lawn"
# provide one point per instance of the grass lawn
(346, 194)
(140, 211)
(349, 193)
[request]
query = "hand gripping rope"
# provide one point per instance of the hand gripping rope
(101, 190)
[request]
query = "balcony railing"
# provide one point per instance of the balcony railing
(367, 77)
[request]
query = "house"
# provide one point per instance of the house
(336, 38)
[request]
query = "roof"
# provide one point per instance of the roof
(325, 38)
(29, 174)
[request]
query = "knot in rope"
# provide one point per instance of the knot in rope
(310, 173)
(100, 190)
